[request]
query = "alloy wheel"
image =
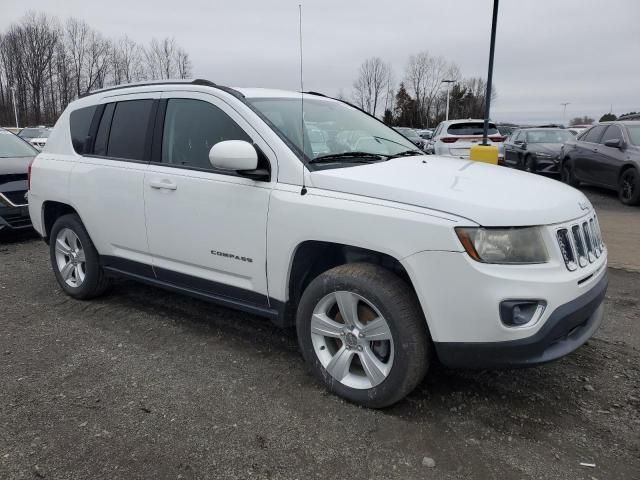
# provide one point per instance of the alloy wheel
(70, 258)
(628, 185)
(352, 340)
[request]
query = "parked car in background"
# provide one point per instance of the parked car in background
(506, 130)
(412, 134)
(576, 130)
(15, 157)
(536, 150)
(36, 136)
(425, 133)
(606, 155)
(454, 138)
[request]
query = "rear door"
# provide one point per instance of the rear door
(106, 182)
(206, 227)
(586, 156)
(608, 160)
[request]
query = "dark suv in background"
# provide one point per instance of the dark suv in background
(606, 155)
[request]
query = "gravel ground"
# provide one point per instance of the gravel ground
(147, 384)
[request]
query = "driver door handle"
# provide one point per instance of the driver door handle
(163, 184)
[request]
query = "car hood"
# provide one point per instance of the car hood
(550, 148)
(14, 165)
(486, 194)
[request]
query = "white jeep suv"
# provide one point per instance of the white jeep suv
(383, 259)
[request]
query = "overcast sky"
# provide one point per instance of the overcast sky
(586, 52)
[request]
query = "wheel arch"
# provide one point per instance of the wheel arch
(311, 258)
(51, 211)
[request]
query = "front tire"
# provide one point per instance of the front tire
(530, 164)
(75, 261)
(363, 334)
(629, 187)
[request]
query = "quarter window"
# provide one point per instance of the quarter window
(191, 128)
(127, 137)
(102, 135)
(80, 124)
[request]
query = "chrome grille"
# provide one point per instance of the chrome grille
(580, 244)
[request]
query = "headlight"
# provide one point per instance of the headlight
(542, 155)
(503, 245)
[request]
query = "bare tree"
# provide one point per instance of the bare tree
(423, 76)
(371, 84)
(183, 63)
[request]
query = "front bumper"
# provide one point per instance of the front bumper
(14, 218)
(548, 165)
(568, 327)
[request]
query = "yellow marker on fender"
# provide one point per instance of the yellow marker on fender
(484, 153)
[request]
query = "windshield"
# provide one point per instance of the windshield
(634, 134)
(330, 128)
(34, 133)
(549, 136)
(12, 146)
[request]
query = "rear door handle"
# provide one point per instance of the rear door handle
(163, 184)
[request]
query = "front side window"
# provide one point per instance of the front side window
(344, 129)
(612, 133)
(191, 128)
(127, 137)
(593, 134)
(11, 146)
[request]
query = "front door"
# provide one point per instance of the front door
(206, 227)
(610, 159)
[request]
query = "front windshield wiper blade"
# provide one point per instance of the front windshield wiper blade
(349, 156)
(406, 153)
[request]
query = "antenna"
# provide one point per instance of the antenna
(304, 188)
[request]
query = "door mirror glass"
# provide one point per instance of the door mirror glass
(613, 143)
(236, 155)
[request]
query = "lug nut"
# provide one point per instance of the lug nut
(361, 335)
(359, 348)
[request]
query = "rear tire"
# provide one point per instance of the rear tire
(373, 373)
(567, 176)
(629, 187)
(75, 260)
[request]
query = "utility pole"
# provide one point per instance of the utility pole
(492, 47)
(564, 110)
(448, 82)
(15, 109)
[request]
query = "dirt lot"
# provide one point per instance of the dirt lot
(147, 384)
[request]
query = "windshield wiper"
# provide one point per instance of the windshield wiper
(406, 153)
(349, 156)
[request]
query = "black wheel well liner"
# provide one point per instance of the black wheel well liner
(312, 258)
(626, 167)
(51, 211)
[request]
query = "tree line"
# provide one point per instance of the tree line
(46, 63)
(420, 98)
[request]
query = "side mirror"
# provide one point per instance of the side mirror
(614, 143)
(235, 155)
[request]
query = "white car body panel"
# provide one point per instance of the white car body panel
(406, 208)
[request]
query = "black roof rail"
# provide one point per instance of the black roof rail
(198, 81)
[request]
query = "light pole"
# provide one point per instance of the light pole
(564, 110)
(448, 82)
(492, 47)
(15, 109)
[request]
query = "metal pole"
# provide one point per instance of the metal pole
(15, 109)
(448, 88)
(490, 73)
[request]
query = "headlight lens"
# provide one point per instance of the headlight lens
(542, 155)
(504, 245)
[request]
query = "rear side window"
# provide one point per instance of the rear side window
(127, 137)
(471, 128)
(191, 128)
(80, 124)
